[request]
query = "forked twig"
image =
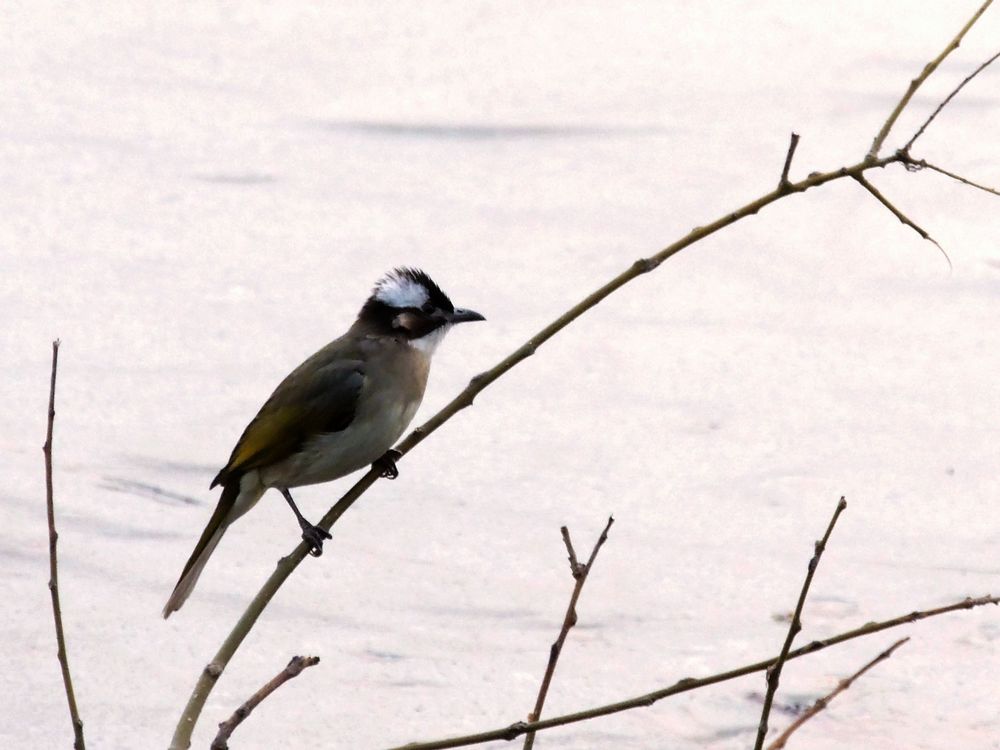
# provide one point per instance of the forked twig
(512, 731)
(822, 703)
(226, 728)
(916, 82)
(74, 713)
(950, 96)
(580, 573)
(923, 164)
(774, 672)
(900, 215)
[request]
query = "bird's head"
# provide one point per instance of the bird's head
(407, 302)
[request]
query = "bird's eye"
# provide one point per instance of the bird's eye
(427, 307)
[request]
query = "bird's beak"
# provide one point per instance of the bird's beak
(464, 316)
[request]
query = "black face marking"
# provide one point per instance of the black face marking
(412, 322)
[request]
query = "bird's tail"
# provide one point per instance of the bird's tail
(238, 496)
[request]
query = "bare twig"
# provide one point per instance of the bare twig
(580, 573)
(947, 99)
(210, 674)
(823, 702)
(923, 164)
(783, 183)
(74, 714)
(516, 729)
(774, 672)
(226, 728)
(900, 215)
(916, 82)
(574, 564)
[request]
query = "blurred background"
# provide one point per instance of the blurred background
(197, 197)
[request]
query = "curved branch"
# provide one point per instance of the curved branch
(74, 713)
(516, 729)
(947, 99)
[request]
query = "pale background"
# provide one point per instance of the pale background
(195, 199)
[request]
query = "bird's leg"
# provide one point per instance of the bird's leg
(387, 464)
(312, 534)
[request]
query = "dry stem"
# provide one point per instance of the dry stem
(74, 714)
(918, 81)
(516, 729)
(580, 573)
(947, 99)
(903, 218)
(774, 673)
(823, 702)
(226, 728)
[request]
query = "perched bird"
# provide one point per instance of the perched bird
(339, 411)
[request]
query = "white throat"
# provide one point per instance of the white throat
(427, 344)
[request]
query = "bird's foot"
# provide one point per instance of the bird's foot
(314, 536)
(387, 464)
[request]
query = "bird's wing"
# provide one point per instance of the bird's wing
(316, 398)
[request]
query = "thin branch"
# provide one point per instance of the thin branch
(774, 673)
(900, 215)
(916, 82)
(783, 183)
(923, 164)
(210, 674)
(516, 729)
(574, 564)
(947, 99)
(580, 573)
(823, 702)
(226, 728)
(74, 713)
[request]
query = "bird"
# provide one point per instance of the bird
(341, 410)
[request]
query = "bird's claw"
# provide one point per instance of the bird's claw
(387, 464)
(314, 536)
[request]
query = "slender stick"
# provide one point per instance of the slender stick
(922, 164)
(903, 218)
(774, 673)
(580, 573)
(823, 702)
(74, 714)
(226, 728)
(792, 144)
(516, 729)
(947, 99)
(916, 82)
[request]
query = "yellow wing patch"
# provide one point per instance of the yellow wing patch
(266, 437)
